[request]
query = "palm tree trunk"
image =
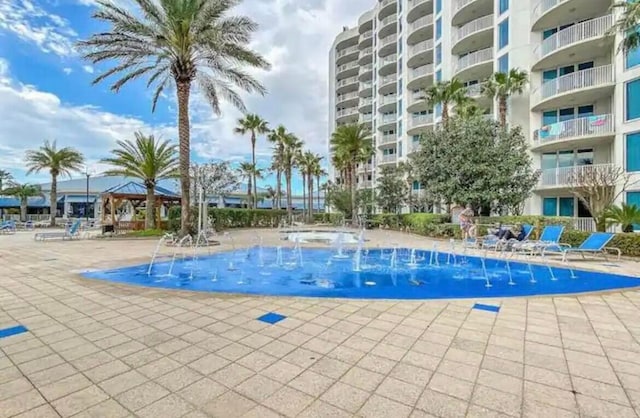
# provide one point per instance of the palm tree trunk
(279, 188)
(150, 219)
(304, 195)
(23, 209)
(53, 196)
(310, 183)
(502, 109)
(354, 191)
(249, 199)
(253, 159)
(183, 90)
(318, 192)
(289, 206)
(445, 112)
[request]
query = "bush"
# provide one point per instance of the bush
(246, 218)
(329, 218)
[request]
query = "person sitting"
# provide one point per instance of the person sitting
(516, 232)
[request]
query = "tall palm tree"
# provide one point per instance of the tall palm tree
(446, 93)
(254, 125)
(351, 144)
(627, 25)
(501, 86)
(306, 163)
(24, 192)
(277, 137)
(319, 172)
(148, 159)
(5, 179)
(271, 194)
(178, 44)
(246, 171)
(58, 162)
(291, 146)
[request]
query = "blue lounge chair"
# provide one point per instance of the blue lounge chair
(549, 239)
(8, 227)
(69, 233)
(596, 243)
(492, 241)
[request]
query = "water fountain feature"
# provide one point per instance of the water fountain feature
(338, 244)
(413, 261)
(165, 238)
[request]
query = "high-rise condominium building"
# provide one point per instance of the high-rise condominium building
(581, 109)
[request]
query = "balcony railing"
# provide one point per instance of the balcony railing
(565, 176)
(544, 6)
(420, 23)
(365, 184)
(389, 158)
(459, 4)
(347, 112)
(346, 67)
(366, 117)
(384, 3)
(367, 35)
(472, 27)
(391, 59)
(364, 168)
(387, 40)
(474, 90)
(421, 47)
(388, 99)
(421, 71)
(575, 128)
(416, 98)
(389, 19)
(591, 77)
(414, 3)
(388, 79)
(347, 81)
(347, 51)
(346, 96)
(366, 102)
(594, 28)
(420, 120)
(365, 86)
(474, 58)
(388, 139)
(366, 68)
(390, 118)
(365, 52)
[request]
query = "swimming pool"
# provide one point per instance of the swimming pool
(379, 274)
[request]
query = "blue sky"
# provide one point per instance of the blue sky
(46, 90)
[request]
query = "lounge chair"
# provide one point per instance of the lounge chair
(8, 227)
(493, 243)
(596, 243)
(69, 233)
(549, 239)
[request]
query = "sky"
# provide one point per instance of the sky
(46, 90)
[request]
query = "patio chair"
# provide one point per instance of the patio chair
(549, 239)
(492, 242)
(69, 233)
(596, 243)
(8, 227)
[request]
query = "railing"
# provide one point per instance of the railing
(346, 112)
(366, 117)
(459, 4)
(347, 96)
(544, 6)
(384, 3)
(389, 158)
(366, 184)
(367, 35)
(366, 68)
(474, 58)
(414, 3)
(347, 81)
(388, 80)
(417, 98)
(388, 139)
(366, 102)
(347, 51)
(365, 168)
(365, 86)
(591, 77)
(391, 59)
(594, 28)
(389, 19)
(365, 52)
(420, 120)
(421, 47)
(575, 128)
(387, 40)
(346, 67)
(474, 26)
(388, 99)
(390, 118)
(421, 71)
(421, 23)
(474, 90)
(564, 176)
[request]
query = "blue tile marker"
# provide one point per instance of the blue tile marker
(271, 318)
(8, 332)
(490, 308)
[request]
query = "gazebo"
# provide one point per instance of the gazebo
(135, 194)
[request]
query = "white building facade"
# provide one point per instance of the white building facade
(581, 108)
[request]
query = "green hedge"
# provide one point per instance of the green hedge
(231, 218)
(628, 243)
(329, 218)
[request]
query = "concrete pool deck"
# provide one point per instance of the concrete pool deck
(96, 349)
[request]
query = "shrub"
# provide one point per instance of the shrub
(330, 218)
(246, 218)
(421, 223)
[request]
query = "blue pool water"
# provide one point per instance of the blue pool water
(322, 274)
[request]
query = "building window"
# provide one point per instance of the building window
(633, 152)
(632, 58)
(438, 28)
(503, 64)
(400, 128)
(400, 106)
(503, 34)
(438, 76)
(566, 206)
(503, 6)
(438, 54)
(550, 206)
(632, 101)
(633, 198)
(438, 6)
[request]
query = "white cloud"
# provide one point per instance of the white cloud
(67, 70)
(88, 69)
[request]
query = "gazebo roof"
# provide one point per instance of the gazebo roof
(133, 188)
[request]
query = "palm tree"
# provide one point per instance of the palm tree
(351, 144)
(246, 171)
(291, 146)
(307, 162)
(149, 160)
(5, 179)
(627, 25)
(276, 137)
(469, 110)
(501, 86)
(24, 192)
(58, 162)
(318, 172)
(255, 125)
(626, 216)
(271, 194)
(445, 93)
(178, 43)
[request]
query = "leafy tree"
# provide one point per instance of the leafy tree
(24, 192)
(475, 161)
(391, 193)
(178, 44)
(255, 125)
(406, 169)
(626, 216)
(271, 195)
(339, 198)
(627, 25)
(216, 178)
(446, 93)
(147, 159)
(58, 162)
(501, 86)
(598, 187)
(6, 178)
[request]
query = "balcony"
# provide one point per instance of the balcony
(476, 34)
(366, 39)
(386, 8)
(419, 8)
(388, 45)
(388, 65)
(366, 56)
(420, 77)
(586, 86)
(466, 10)
(388, 26)
(553, 13)
(475, 65)
(364, 168)
(365, 21)
(387, 103)
(388, 139)
(420, 29)
(388, 84)
(585, 132)
(388, 159)
(346, 115)
(366, 89)
(346, 70)
(577, 43)
(366, 72)
(366, 118)
(474, 91)
(342, 99)
(420, 123)
(562, 177)
(417, 102)
(421, 53)
(365, 104)
(365, 184)
(347, 54)
(347, 85)
(387, 121)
